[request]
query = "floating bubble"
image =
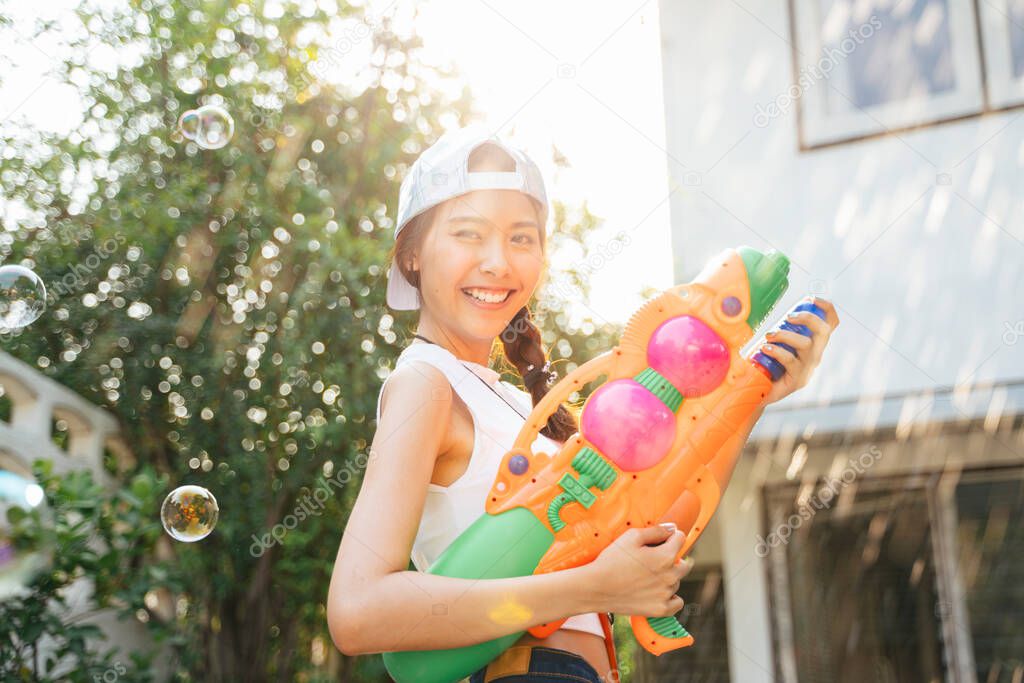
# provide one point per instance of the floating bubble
(188, 124)
(189, 513)
(209, 126)
(26, 547)
(215, 127)
(22, 297)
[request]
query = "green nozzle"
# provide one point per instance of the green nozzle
(767, 274)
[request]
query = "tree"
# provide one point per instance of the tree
(228, 305)
(99, 535)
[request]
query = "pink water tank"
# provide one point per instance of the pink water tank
(628, 424)
(689, 354)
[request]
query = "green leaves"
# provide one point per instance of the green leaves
(226, 307)
(15, 515)
(80, 522)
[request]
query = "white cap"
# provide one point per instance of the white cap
(442, 172)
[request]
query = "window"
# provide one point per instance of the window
(906, 578)
(861, 589)
(867, 67)
(1002, 23)
(989, 544)
(703, 614)
(1016, 29)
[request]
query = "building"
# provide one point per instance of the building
(872, 528)
(40, 418)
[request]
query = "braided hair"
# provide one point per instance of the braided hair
(524, 349)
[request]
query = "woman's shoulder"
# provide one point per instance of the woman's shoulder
(415, 382)
(431, 355)
(417, 374)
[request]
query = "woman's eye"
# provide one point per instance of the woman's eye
(466, 233)
(524, 239)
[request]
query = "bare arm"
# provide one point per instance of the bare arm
(374, 603)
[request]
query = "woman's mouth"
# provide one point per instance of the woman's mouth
(488, 298)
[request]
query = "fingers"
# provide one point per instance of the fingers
(780, 354)
(683, 568)
(816, 325)
(674, 544)
(794, 339)
(793, 366)
(673, 606)
(831, 317)
(654, 535)
(664, 558)
(820, 329)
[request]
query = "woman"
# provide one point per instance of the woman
(470, 254)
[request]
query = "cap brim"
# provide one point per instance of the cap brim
(401, 296)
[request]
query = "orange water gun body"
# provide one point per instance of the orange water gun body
(712, 402)
(675, 390)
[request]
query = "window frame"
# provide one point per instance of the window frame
(1003, 89)
(939, 488)
(817, 129)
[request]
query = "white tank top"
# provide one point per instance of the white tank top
(449, 510)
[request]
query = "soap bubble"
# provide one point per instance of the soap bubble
(22, 297)
(215, 127)
(188, 124)
(189, 513)
(26, 547)
(209, 126)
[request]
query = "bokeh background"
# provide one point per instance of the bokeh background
(216, 316)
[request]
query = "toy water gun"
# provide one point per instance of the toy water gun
(676, 389)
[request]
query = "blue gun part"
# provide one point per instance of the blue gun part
(773, 366)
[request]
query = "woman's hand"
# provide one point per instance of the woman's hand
(633, 576)
(809, 350)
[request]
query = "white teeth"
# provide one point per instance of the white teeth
(486, 296)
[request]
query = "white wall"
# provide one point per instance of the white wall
(927, 301)
(926, 276)
(738, 522)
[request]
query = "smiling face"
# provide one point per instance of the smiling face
(480, 262)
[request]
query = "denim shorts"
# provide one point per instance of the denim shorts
(536, 664)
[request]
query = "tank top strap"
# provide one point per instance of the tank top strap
(495, 424)
(486, 406)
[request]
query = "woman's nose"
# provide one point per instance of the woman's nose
(494, 260)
